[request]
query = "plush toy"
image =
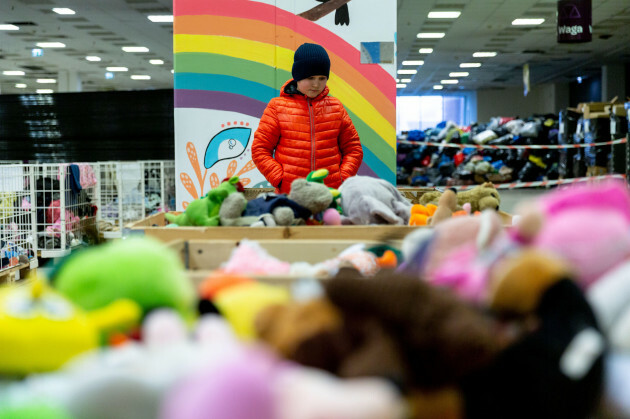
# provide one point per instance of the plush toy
(610, 299)
(205, 211)
(307, 198)
(586, 224)
(457, 253)
(257, 385)
(420, 214)
(554, 366)
(546, 358)
(130, 381)
(369, 200)
(42, 330)
(139, 268)
(480, 197)
(390, 326)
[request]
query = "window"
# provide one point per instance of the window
(422, 112)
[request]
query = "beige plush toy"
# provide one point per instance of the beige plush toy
(481, 197)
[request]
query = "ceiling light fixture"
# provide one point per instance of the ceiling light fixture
(13, 73)
(63, 11)
(449, 81)
(9, 27)
(46, 81)
(431, 35)
(444, 15)
(425, 50)
(401, 86)
(93, 58)
(161, 18)
(469, 65)
(109, 75)
(20, 85)
(484, 54)
(407, 71)
(117, 69)
(527, 22)
(51, 45)
(135, 49)
(438, 87)
(458, 74)
(413, 62)
(405, 80)
(156, 62)
(44, 91)
(140, 77)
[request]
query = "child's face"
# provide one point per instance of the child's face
(312, 86)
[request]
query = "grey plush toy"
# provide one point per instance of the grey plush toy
(369, 200)
(305, 199)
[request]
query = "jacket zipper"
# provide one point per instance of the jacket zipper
(312, 123)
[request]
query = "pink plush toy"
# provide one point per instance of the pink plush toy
(250, 258)
(257, 385)
(457, 253)
(237, 389)
(588, 225)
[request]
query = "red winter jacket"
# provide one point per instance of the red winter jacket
(306, 134)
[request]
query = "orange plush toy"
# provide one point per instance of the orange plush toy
(420, 214)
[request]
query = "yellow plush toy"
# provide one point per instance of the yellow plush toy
(40, 329)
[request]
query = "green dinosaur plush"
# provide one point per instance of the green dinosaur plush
(138, 268)
(205, 211)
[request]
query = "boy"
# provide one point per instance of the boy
(305, 129)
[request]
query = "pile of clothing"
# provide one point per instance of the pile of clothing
(423, 165)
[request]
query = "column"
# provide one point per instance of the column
(68, 81)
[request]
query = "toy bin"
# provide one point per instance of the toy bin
(18, 246)
(155, 226)
(200, 257)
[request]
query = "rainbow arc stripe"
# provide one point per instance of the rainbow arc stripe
(235, 55)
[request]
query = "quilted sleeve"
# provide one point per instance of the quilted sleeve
(266, 138)
(350, 147)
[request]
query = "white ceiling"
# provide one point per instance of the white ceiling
(485, 25)
(102, 27)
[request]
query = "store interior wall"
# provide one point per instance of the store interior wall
(512, 102)
(95, 126)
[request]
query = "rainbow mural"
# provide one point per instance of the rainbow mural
(234, 56)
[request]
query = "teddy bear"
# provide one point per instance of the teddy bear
(369, 200)
(481, 197)
(306, 199)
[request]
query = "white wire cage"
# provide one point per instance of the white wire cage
(18, 243)
(66, 201)
(132, 190)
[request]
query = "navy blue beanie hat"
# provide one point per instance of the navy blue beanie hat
(310, 60)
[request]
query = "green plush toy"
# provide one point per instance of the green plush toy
(205, 211)
(140, 269)
(318, 176)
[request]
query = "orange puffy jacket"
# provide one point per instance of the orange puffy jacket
(306, 134)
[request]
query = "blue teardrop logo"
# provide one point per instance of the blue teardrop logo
(227, 144)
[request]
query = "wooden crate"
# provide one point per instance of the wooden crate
(154, 226)
(200, 257)
(15, 273)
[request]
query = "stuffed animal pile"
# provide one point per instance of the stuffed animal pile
(480, 320)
